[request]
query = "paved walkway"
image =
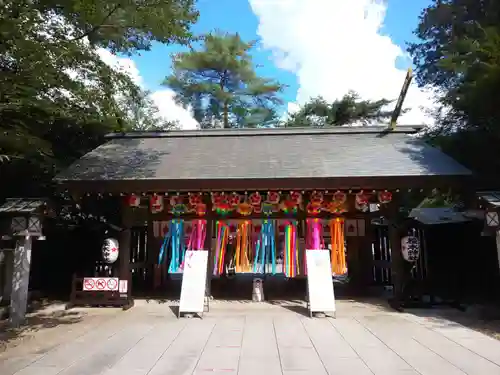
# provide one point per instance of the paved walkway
(248, 339)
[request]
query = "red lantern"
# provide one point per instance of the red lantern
(133, 200)
(384, 196)
(235, 199)
(156, 204)
(255, 199)
(339, 197)
(194, 199)
(273, 197)
(296, 197)
(317, 197)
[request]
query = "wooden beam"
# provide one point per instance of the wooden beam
(399, 104)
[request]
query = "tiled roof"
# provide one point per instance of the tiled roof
(263, 154)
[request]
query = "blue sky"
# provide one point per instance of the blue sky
(355, 42)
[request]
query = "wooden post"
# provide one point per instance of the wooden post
(20, 280)
(397, 261)
(124, 257)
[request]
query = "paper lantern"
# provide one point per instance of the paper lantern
(110, 250)
(134, 200)
(410, 248)
(156, 204)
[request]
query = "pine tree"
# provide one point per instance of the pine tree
(219, 82)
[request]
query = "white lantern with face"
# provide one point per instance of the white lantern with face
(110, 250)
(410, 248)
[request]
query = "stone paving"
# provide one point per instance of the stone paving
(249, 339)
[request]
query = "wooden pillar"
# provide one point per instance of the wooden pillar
(125, 245)
(20, 280)
(397, 261)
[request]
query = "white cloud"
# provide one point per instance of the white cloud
(164, 99)
(334, 46)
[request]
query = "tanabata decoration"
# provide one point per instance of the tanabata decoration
(290, 251)
(292, 203)
(133, 200)
(244, 208)
(384, 196)
(313, 208)
(273, 197)
(177, 206)
(410, 248)
(177, 245)
(255, 199)
(221, 204)
(338, 260)
(110, 250)
(267, 208)
(198, 235)
(339, 197)
(314, 237)
(220, 249)
(265, 252)
(156, 204)
(243, 241)
(317, 197)
(361, 201)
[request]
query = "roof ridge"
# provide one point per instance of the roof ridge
(405, 129)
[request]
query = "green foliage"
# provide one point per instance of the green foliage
(219, 82)
(58, 98)
(459, 54)
(348, 110)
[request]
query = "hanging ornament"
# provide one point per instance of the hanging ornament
(255, 199)
(313, 208)
(339, 197)
(273, 197)
(110, 250)
(133, 200)
(317, 197)
(267, 208)
(194, 199)
(410, 248)
(384, 196)
(177, 206)
(289, 206)
(244, 208)
(296, 197)
(257, 209)
(234, 199)
(361, 201)
(156, 204)
(200, 209)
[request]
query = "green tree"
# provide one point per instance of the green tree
(349, 110)
(458, 53)
(58, 98)
(219, 83)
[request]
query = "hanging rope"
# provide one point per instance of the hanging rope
(338, 246)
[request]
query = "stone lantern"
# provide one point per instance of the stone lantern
(22, 221)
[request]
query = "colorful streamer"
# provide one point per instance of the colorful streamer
(178, 245)
(220, 250)
(338, 260)
(266, 248)
(290, 259)
(242, 263)
(314, 237)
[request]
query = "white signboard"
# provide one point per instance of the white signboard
(194, 280)
(100, 284)
(319, 282)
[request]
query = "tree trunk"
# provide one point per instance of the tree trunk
(226, 115)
